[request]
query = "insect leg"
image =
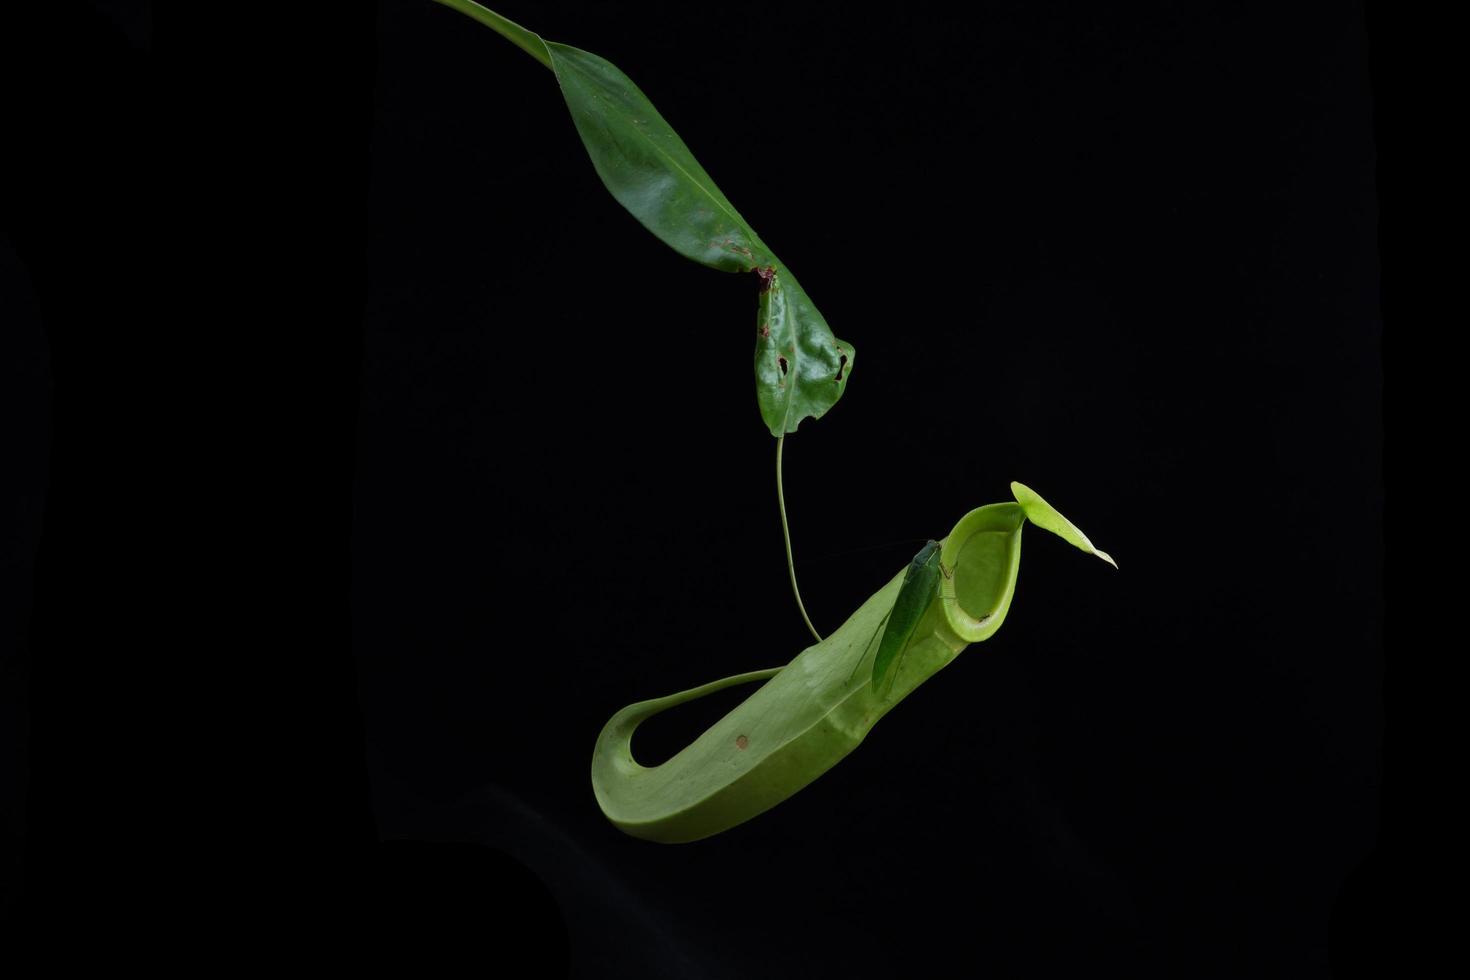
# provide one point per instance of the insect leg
(876, 633)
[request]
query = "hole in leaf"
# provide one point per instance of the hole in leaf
(841, 366)
(782, 361)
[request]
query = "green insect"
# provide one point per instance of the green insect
(920, 580)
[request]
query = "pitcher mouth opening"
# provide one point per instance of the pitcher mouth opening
(983, 554)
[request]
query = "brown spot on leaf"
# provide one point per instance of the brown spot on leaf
(767, 276)
(741, 742)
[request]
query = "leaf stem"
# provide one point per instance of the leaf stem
(786, 532)
(528, 41)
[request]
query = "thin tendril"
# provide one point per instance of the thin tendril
(786, 532)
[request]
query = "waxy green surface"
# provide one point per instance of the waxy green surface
(810, 714)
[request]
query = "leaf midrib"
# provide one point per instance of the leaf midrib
(723, 205)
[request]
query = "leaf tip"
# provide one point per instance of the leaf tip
(1044, 515)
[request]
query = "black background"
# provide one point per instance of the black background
(502, 467)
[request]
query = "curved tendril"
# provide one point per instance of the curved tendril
(786, 533)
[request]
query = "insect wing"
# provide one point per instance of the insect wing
(913, 598)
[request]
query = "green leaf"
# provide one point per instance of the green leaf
(801, 368)
(647, 167)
